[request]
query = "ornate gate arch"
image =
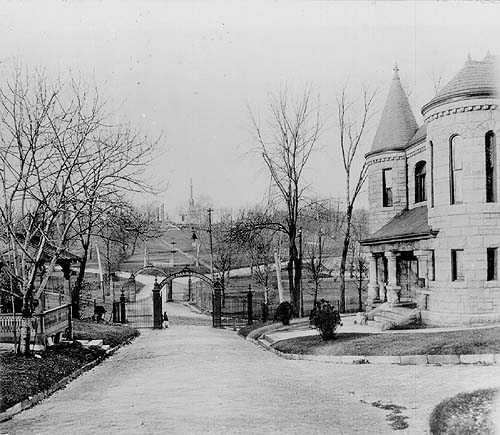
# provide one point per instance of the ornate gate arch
(185, 272)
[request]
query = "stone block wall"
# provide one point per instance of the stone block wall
(473, 225)
(417, 153)
(396, 161)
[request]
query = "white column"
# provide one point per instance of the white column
(373, 286)
(381, 278)
(392, 287)
(424, 259)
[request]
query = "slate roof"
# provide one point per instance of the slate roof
(407, 225)
(397, 124)
(419, 136)
(475, 79)
(47, 254)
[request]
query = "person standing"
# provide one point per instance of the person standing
(165, 319)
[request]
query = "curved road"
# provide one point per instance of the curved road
(193, 379)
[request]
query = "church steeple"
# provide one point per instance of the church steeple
(397, 124)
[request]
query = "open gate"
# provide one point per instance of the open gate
(147, 313)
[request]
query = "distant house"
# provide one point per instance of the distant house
(434, 201)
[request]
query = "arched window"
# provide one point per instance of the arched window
(491, 167)
(387, 187)
(456, 169)
(420, 172)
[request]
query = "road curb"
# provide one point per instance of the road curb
(30, 402)
(436, 360)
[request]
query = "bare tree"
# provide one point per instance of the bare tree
(358, 264)
(350, 136)
(256, 246)
(314, 264)
(115, 166)
(52, 138)
(43, 132)
(286, 145)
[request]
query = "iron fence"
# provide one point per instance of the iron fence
(139, 313)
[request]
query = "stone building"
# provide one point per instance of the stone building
(434, 201)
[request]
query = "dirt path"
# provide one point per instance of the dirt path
(193, 379)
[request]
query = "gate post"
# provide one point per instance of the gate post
(265, 312)
(217, 305)
(115, 311)
(123, 318)
(157, 315)
(249, 305)
(169, 294)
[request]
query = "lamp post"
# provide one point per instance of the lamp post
(172, 252)
(196, 246)
(132, 287)
(210, 210)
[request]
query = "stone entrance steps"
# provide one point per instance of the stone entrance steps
(97, 343)
(387, 317)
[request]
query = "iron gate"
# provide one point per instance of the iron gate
(139, 314)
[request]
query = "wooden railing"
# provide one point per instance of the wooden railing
(55, 320)
(46, 324)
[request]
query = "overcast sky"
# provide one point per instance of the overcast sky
(189, 70)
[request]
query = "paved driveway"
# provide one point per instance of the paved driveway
(192, 379)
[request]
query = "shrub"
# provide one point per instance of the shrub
(326, 319)
(284, 313)
(465, 413)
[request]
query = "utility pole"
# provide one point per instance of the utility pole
(300, 281)
(210, 210)
(319, 247)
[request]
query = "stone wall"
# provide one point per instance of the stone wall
(415, 154)
(473, 225)
(394, 160)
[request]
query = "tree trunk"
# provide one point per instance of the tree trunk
(345, 251)
(289, 270)
(278, 277)
(360, 287)
(26, 321)
(77, 288)
(297, 283)
(294, 275)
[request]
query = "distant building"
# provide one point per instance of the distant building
(192, 215)
(434, 201)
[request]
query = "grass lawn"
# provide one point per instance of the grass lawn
(475, 341)
(22, 377)
(466, 413)
(110, 334)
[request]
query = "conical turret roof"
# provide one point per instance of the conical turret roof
(397, 124)
(476, 79)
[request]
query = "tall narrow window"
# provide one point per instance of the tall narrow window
(420, 172)
(492, 259)
(491, 167)
(432, 274)
(387, 187)
(457, 273)
(456, 170)
(431, 146)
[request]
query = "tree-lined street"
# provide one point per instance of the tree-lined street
(192, 379)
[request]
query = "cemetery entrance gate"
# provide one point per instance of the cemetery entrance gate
(147, 313)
